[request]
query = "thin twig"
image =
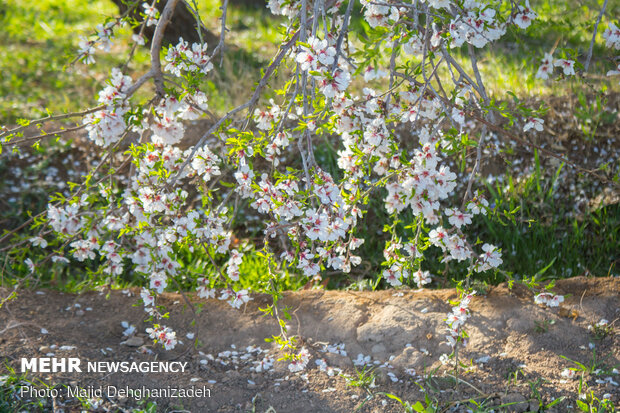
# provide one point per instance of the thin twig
(343, 32)
(135, 44)
(158, 37)
(194, 10)
(50, 119)
(499, 129)
(222, 45)
(600, 16)
(392, 69)
(46, 135)
(490, 116)
(249, 104)
(195, 321)
(204, 137)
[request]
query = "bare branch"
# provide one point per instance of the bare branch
(164, 19)
(475, 168)
(490, 116)
(343, 32)
(45, 135)
(50, 119)
(221, 46)
(600, 16)
(457, 66)
(193, 8)
(204, 137)
(392, 68)
(135, 44)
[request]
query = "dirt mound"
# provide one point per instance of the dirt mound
(515, 352)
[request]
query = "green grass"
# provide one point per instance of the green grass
(37, 42)
(545, 232)
(10, 401)
(364, 378)
(591, 403)
(566, 30)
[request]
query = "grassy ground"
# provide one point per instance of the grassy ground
(38, 40)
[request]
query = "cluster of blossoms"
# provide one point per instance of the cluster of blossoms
(533, 123)
(549, 299)
(452, 245)
(151, 14)
(394, 274)
(319, 58)
(602, 323)
(612, 36)
(204, 290)
(104, 33)
(372, 73)
(422, 278)
(266, 118)
(235, 298)
(421, 182)
(601, 329)
(86, 51)
(148, 299)
(39, 241)
(152, 218)
(480, 25)
(524, 16)
(64, 220)
(183, 58)
(457, 318)
(489, 259)
(103, 41)
(206, 163)
(299, 361)
(164, 335)
(379, 15)
(548, 63)
(283, 8)
(612, 40)
(167, 126)
(236, 258)
(276, 146)
(106, 127)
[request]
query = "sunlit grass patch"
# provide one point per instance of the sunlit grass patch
(38, 41)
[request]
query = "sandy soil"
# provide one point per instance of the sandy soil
(510, 347)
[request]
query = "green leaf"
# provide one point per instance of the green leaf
(418, 407)
(556, 401)
(391, 396)
(583, 406)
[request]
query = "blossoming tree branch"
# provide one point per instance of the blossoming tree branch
(132, 211)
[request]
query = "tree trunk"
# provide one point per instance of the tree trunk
(183, 24)
(250, 4)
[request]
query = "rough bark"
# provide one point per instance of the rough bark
(250, 4)
(183, 24)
